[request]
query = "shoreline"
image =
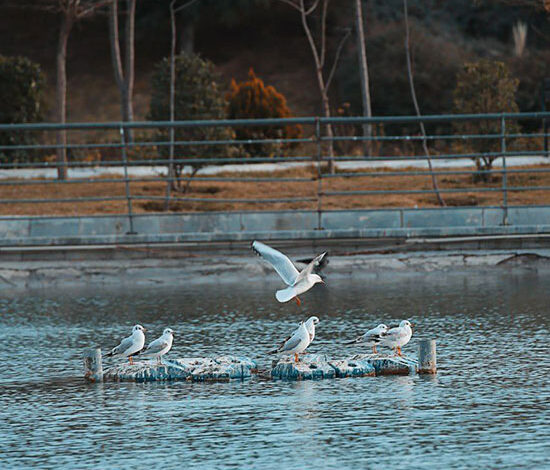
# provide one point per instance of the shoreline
(206, 268)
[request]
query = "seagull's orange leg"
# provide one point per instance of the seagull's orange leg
(298, 301)
(131, 360)
(374, 349)
(296, 357)
(399, 351)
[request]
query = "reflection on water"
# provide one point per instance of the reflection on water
(487, 407)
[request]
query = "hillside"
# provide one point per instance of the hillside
(268, 37)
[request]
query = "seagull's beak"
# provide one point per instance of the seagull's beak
(144, 330)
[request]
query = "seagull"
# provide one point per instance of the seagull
(398, 336)
(160, 346)
(372, 337)
(295, 344)
(131, 345)
(310, 327)
(298, 281)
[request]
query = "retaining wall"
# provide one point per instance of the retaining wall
(235, 226)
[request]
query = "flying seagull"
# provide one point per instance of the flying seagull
(160, 346)
(398, 336)
(298, 282)
(295, 344)
(131, 345)
(372, 337)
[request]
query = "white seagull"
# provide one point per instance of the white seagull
(131, 345)
(398, 336)
(298, 282)
(372, 337)
(295, 344)
(310, 327)
(160, 346)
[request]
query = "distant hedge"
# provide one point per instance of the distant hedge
(21, 94)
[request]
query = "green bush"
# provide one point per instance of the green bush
(197, 96)
(21, 94)
(484, 86)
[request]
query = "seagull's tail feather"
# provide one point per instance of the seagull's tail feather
(284, 295)
(109, 354)
(355, 341)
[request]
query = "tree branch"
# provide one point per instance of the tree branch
(292, 4)
(324, 32)
(185, 5)
(115, 46)
(415, 102)
(337, 56)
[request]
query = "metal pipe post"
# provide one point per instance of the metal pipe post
(93, 366)
(127, 182)
(319, 171)
(504, 175)
(427, 363)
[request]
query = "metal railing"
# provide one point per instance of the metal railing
(322, 156)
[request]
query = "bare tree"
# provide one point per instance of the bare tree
(71, 12)
(363, 72)
(319, 52)
(124, 76)
(415, 102)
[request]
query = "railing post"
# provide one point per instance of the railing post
(319, 171)
(504, 170)
(127, 182)
(170, 168)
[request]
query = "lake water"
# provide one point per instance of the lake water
(488, 406)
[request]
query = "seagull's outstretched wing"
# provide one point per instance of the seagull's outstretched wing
(279, 261)
(315, 263)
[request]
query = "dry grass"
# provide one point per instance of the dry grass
(276, 189)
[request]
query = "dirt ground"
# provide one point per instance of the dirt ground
(212, 190)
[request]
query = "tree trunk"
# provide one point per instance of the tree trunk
(124, 78)
(172, 184)
(187, 36)
(364, 74)
(128, 111)
(416, 107)
(330, 133)
(61, 94)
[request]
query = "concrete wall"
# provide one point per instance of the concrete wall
(235, 226)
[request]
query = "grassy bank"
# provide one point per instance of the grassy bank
(208, 188)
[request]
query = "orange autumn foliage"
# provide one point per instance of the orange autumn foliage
(252, 99)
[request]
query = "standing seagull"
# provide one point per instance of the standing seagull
(160, 346)
(372, 337)
(298, 281)
(296, 344)
(131, 345)
(398, 336)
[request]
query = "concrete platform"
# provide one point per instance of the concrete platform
(198, 369)
(319, 366)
